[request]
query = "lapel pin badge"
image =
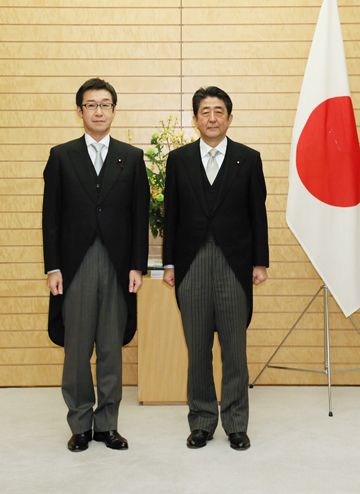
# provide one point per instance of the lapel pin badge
(238, 162)
(120, 163)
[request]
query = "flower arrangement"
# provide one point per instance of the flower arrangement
(168, 137)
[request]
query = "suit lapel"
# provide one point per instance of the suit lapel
(232, 161)
(192, 166)
(114, 165)
(84, 168)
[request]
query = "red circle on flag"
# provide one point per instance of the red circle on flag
(328, 153)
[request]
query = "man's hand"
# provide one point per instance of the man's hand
(169, 276)
(135, 280)
(259, 274)
(55, 283)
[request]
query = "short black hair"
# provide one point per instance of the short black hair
(213, 91)
(95, 84)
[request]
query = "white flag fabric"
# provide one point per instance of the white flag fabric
(323, 209)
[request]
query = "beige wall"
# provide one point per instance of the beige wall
(156, 54)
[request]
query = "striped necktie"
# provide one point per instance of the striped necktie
(98, 163)
(212, 168)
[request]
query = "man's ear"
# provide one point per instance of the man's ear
(79, 111)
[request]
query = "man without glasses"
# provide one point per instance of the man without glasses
(215, 248)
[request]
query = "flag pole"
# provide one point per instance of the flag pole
(327, 369)
(327, 360)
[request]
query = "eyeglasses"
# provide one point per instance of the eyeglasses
(94, 106)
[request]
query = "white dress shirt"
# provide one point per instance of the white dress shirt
(205, 152)
(92, 153)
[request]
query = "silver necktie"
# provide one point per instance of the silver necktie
(98, 163)
(212, 167)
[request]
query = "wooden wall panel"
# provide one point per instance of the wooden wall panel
(157, 54)
(47, 51)
(82, 15)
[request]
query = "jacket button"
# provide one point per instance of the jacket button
(98, 186)
(99, 210)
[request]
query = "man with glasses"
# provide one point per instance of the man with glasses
(95, 236)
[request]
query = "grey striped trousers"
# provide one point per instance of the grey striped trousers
(94, 312)
(210, 296)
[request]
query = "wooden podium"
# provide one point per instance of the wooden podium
(162, 353)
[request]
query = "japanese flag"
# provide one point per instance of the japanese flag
(323, 208)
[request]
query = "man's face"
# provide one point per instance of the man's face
(97, 122)
(212, 120)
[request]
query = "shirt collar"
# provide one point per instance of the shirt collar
(205, 148)
(90, 140)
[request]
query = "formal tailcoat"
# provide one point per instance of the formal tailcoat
(237, 220)
(79, 206)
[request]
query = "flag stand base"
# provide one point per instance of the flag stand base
(327, 361)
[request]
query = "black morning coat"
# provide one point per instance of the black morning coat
(75, 211)
(238, 222)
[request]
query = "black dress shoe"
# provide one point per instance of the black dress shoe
(239, 440)
(79, 442)
(198, 439)
(112, 439)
